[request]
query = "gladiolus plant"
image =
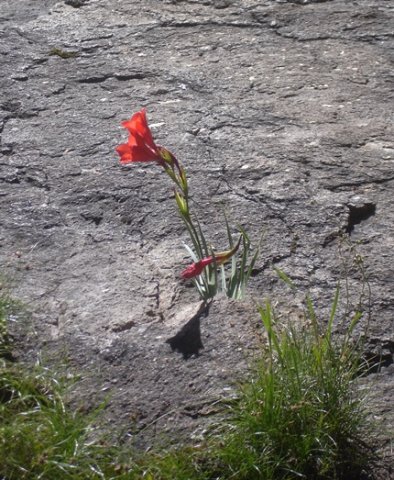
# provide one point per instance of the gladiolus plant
(141, 147)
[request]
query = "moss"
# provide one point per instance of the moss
(62, 53)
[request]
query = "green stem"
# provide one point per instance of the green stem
(193, 235)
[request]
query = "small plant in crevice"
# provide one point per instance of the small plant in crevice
(65, 54)
(207, 263)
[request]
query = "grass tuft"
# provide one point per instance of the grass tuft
(301, 416)
(40, 438)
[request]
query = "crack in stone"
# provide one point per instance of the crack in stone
(345, 185)
(120, 77)
(208, 23)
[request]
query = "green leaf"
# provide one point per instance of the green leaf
(332, 314)
(281, 274)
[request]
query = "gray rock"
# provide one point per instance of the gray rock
(281, 111)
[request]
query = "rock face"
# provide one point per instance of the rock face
(280, 110)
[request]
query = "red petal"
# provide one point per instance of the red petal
(191, 271)
(124, 151)
(135, 152)
(138, 126)
(142, 154)
(196, 268)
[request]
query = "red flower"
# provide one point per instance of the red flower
(196, 268)
(140, 146)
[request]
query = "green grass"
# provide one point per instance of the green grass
(298, 416)
(7, 307)
(40, 438)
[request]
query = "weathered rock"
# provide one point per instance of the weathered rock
(281, 111)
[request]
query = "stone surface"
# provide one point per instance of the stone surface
(280, 110)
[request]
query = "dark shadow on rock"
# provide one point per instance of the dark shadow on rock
(188, 340)
(379, 355)
(358, 214)
(76, 3)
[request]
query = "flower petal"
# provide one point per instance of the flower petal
(135, 153)
(140, 146)
(142, 154)
(223, 257)
(192, 271)
(138, 126)
(196, 268)
(124, 151)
